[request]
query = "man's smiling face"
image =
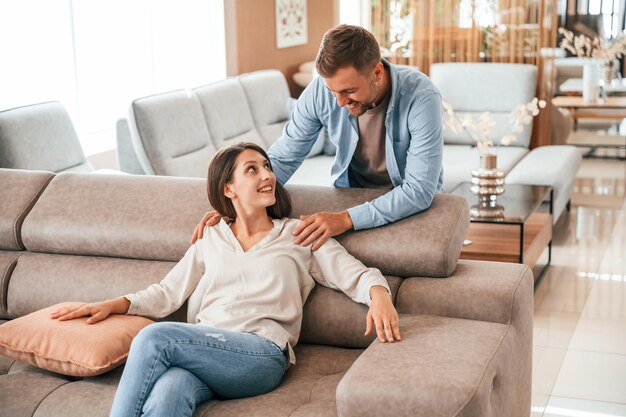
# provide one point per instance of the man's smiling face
(354, 90)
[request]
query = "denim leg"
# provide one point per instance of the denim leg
(176, 393)
(231, 364)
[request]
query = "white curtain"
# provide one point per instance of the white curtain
(95, 56)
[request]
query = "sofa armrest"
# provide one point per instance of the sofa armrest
(494, 294)
(478, 290)
(442, 367)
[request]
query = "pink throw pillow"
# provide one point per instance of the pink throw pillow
(70, 347)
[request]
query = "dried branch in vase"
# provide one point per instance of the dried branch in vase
(479, 128)
(585, 47)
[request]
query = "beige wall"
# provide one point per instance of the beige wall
(251, 37)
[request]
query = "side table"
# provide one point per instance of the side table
(610, 108)
(517, 227)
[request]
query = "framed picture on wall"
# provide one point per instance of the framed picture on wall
(291, 25)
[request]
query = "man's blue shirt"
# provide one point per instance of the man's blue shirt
(414, 144)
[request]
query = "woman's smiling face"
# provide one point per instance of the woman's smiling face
(253, 183)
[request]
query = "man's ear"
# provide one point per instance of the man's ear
(379, 71)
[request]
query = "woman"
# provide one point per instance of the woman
(246, 283)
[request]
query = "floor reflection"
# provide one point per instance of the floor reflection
(579, 368)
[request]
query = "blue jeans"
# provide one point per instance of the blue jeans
(172, 367)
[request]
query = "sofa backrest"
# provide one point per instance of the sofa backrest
(177, 133)
(169, 134)
(475, 88)
(227, 113)
(126, 156)
(89, 237)
(19, 189)
(40, 137)
(268, 95)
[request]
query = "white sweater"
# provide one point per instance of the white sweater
(260, 291)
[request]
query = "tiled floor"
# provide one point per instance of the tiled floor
(579, 363)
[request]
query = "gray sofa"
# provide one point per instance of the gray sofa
(467, 339)
(40, 136)
(175, 133)
(474, 88)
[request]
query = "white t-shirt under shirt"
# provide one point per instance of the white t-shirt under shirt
(260, 291)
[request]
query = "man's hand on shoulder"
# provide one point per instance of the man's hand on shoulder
(211, 218)
(320, 227)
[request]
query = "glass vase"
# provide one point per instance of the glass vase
(608, 73)
(488, 181)
(591, 80)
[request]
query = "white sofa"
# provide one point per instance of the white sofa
(40, 137)
(474, 88)
(176, 133)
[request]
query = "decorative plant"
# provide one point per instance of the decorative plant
(585, 47)
(479, 127)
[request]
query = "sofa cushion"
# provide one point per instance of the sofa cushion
(5, 363)
(22, 392)
(475, 88)
(503, 127)
(549, 165)
(444, 367)
(332, 318)
(40, 280)
(169, 134)
(430, 241)
(71, 347)
(494, 292)
(227, 113)
(110, 215)
(126, 156)
(268, 96)
(460, 160)
(479, 290)
(479, 87)
(8, 261)
(314, 171)
(40, 136)
(307, 389)
(73, 217)
(20, 189)
(90, 396)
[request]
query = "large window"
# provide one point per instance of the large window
(355, 12)
(96, 56)
(605, 17)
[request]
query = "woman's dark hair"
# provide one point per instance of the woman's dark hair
(221, 171)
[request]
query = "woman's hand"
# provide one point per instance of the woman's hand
(383, 316)
(211, 218)
(98, 311)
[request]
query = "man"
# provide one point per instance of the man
(386, 121)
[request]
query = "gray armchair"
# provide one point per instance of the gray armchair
(40, 137)
(475, 88)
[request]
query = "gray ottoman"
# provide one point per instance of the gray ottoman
(549, 165)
